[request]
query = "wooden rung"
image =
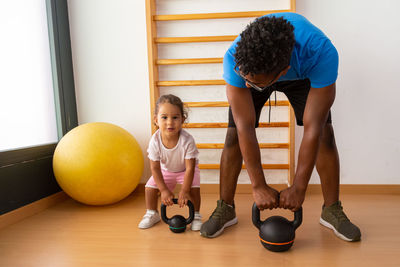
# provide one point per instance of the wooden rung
(226, 104)
(224, 15)
(191, 83)
(195, 39)
(225, 125)
(264, 166)
(274, 145)
(273, 124)
(261, 145)
(189, 61)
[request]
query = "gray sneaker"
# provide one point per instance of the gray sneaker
(334, 218)
(223, 216)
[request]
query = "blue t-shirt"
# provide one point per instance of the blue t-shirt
(314, 56)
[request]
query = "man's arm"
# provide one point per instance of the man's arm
(243, 112)
(316, 112)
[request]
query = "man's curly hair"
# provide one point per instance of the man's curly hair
(265, 47)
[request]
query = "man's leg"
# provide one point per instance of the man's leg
(224, 214)
(327, 164)
(328, 168)
(231, 165)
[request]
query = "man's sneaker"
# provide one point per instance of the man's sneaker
(149, 219)
(196, 223)
(223, 216)
(334, 218)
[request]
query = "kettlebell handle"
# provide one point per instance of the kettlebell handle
(298, 217)
(175, 200)
(256, 216)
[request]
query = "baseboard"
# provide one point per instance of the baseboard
(31, 209)
(387, 189)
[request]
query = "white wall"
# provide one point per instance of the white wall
(365, 116)
(111, 76)
(109, 50)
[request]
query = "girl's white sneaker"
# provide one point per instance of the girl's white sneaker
(149, 219)
(196, 223)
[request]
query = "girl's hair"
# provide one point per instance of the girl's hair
(173, 100)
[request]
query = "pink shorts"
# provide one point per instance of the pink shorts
(173, 178)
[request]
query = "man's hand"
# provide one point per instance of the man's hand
(266, 197)
(183, 198)
(166, 197)
(291, 198)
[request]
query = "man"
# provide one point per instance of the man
(281, 52)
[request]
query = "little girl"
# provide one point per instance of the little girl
(173, 159)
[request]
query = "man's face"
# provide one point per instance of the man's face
(260, 82)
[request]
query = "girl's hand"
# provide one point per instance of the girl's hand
(183, 198)
(166, 197)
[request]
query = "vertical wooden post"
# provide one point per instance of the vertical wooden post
(293, 5)
(152, 57)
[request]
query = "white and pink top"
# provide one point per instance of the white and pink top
(173, 160)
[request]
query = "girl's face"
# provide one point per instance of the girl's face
(169, 119)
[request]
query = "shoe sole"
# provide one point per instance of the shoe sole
(227, 224)
(330, 226)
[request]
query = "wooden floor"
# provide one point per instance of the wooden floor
(71, 234)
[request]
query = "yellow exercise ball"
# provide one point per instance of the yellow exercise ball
(98, 163)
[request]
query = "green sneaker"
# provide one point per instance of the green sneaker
(223, 216)
(334, 218)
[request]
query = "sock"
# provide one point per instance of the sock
(229, 205)
(151, 212)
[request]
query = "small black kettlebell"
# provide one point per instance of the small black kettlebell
(276, 232)
(177, 223)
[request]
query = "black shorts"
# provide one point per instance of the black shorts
(296, 92)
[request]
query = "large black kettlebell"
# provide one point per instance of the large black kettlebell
(276, 232)
(177, 223)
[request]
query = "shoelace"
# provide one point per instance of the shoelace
(218, 213)
(148, 215)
